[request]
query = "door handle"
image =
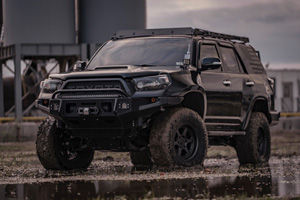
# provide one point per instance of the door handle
(226, 83)
(249, 83)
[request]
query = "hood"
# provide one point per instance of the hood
(118, 72)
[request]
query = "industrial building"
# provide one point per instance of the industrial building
(287, 89)
(39, 33)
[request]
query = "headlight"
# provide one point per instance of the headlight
(50, 86)
(152, 82)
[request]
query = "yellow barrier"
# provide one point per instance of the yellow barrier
(11, 119)
(289, 114)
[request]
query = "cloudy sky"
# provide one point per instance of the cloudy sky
(273, 26)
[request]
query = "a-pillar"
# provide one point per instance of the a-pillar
(18, 84)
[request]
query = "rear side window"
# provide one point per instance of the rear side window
(230, 60)
(209, 50)
(252, 60)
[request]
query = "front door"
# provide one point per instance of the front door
(218, 91)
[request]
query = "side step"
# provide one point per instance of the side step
(225, 133)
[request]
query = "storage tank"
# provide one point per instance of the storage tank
(98, 20)
(39, 21)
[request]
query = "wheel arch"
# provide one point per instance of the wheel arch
(195, 100)
(259, 104)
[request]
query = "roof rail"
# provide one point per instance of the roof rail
(220, 35)
(176, 31)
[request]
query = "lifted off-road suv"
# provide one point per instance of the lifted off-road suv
(164, 95)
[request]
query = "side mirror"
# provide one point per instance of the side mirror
(79, 66)
(210, 63)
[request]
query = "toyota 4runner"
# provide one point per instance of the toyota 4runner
(163, 95)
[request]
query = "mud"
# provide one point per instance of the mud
(220, 178)
(111, 175)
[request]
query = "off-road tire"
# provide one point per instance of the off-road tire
(50, 153)
(178, 137)
(255, 147)
(141, 158)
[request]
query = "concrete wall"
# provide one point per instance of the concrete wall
(18, 132)
(281, 76)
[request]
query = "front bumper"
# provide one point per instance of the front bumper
(105, 113)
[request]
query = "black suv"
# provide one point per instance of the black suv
(163, 95)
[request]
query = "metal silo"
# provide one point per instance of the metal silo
(39, 21)
(98, 19)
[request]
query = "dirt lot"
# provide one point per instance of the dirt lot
(111, 176)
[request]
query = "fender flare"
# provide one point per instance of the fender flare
(197, 90)
(250, 110)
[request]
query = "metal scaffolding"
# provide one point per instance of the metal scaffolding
(63, 53)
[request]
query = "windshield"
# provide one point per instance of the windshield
(142, 51)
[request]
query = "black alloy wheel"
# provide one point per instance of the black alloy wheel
(185, 142)
(178, 137)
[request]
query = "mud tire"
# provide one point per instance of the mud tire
(141, 158)
(178, 137)
(50, 153)
(255, 147)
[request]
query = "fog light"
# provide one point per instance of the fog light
(123, 105)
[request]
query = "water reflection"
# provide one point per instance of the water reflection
(255, 184)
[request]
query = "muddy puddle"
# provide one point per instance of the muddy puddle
(220, 178)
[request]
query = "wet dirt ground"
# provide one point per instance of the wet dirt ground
(111, 175)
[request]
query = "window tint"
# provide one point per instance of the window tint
(229, 60)
(208, 50)
(142, 51)
(241, 67)
(254, 65)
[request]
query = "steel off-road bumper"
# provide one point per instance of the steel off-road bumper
(105, 113)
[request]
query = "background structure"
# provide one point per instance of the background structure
(40, 36)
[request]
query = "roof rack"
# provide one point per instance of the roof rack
(176, 31)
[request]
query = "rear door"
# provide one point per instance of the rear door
(241, 83)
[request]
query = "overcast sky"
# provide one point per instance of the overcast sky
(273, 26)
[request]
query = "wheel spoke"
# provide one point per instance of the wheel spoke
(179, 151)
(186, 150)
(185, 130)
(178, 133)
(176, 142)
(189, 140)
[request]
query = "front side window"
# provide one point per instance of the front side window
(208, 50)
(142, 51)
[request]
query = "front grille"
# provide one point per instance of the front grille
(75, 89)
(94, 85)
